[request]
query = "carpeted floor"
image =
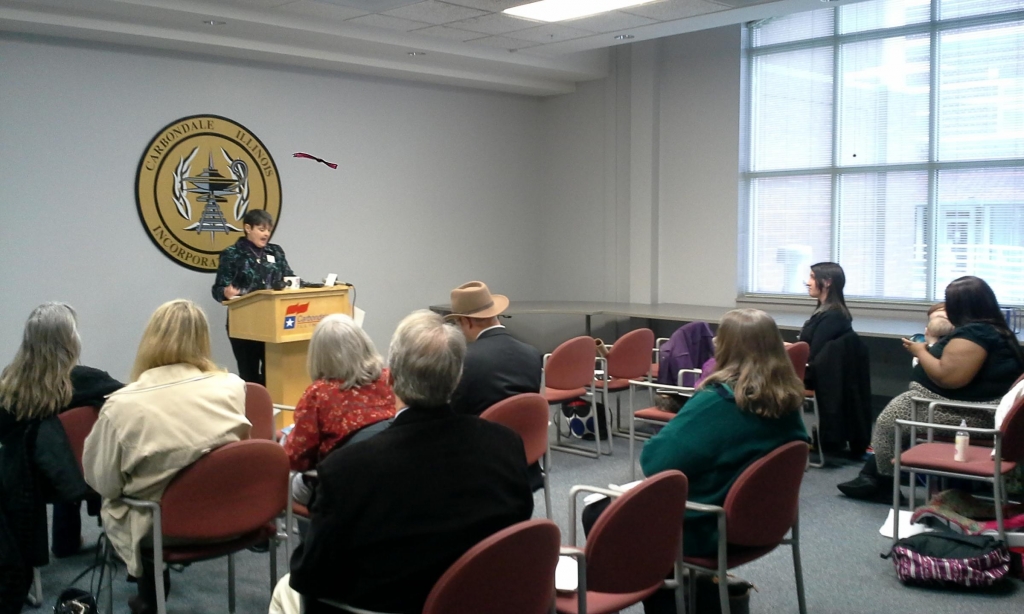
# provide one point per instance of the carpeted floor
(843, 572)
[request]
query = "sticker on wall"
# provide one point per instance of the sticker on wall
(196, 180)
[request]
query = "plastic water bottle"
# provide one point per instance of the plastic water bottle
(963, 440)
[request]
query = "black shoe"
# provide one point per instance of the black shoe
(260, 547)
(864, 487)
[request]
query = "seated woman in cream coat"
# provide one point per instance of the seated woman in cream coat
(178, 406)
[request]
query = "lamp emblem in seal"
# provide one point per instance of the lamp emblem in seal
(196, 180)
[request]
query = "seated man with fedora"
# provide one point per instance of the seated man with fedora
(497, 365)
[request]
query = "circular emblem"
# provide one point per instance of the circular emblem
(196, 180)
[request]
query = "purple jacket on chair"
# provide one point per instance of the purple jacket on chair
(688, 348)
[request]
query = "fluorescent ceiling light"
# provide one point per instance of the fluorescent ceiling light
(560, 10)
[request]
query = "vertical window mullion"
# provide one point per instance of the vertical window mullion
(836, 104)
(931, 220)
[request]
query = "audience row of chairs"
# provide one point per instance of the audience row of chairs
(239, 492)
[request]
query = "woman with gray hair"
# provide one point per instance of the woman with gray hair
(36, 463)
(350, 391)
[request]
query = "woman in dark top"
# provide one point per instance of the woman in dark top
(978, 362)
(831, 320)
(36, 463)
(252, 263)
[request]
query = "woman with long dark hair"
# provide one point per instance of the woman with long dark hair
(831, 319)
(977, 362)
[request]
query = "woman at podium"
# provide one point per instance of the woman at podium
(252, 263)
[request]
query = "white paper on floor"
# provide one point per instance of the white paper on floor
(906, 528)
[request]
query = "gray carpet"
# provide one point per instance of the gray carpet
(842, 569)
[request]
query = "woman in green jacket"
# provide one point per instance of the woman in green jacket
(749, 406)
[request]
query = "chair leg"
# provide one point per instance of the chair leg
(898, 451)
(35, 596)
(997, 497)
(691, 607)
(231, 583)
(273, 563)
(817, 428)
(798, 570)
(632, 438)
(723, 590)
(547, 487)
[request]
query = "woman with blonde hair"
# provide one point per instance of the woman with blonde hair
(36, 462)
(350, 392)
(746, 408)
(178, 406)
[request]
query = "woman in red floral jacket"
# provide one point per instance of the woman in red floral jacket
(350, 391)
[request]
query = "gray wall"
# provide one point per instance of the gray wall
(435, 186)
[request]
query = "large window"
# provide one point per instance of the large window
(888, 136)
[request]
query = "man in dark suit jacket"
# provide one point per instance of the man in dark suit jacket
(394, 512)
(497, 365)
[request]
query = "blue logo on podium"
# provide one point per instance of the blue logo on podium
(289, 322)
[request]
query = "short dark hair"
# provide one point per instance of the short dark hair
(832, 273)
(258, 217)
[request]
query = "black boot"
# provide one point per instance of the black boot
(869, 485)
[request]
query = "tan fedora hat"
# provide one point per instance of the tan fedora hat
(474, 300)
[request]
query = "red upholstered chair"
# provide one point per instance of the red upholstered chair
(527, 414)
(653, 415)
(226, 501)
(936, 458)
(78, 423)
(259, 409)
(799, 352)
(628, 359)
(631, 547)
(569, 374)
(761, 507)
(510, 572)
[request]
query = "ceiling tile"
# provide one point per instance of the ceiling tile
(387, 22)
(610, 22)
(434, 12)
(253, 4)
(449, 33)
(669, 10)
(490, 5)
(550, 33)
(319, 10)
(501, 42)
(495, 23)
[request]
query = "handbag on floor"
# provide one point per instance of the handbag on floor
(75, 601)
(579, 419)
(950, 558)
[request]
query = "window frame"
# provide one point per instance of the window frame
(933, 28)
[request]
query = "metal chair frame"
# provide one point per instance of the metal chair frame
(574, 449)
(997, 479)
(633, 436)
(581, 560)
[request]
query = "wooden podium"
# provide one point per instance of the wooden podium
(285, 320)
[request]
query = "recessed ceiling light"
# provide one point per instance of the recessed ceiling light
(559, 10)
(623, 37)
(416, 53)
(214, 22)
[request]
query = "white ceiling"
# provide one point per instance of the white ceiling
(458, 42)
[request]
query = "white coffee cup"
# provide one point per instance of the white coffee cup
(292, 283)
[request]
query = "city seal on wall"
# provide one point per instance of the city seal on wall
(196, 180)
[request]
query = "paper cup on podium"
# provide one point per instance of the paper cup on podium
(292, 283)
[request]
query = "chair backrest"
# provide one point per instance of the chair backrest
(510, 572)
(798, 354)
(233, 490)
(1013, 433)
(630, 356)
(259, 409)
(635, 541)
(571, 365)
(526, 414)
(762, 503)
(78, 423)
